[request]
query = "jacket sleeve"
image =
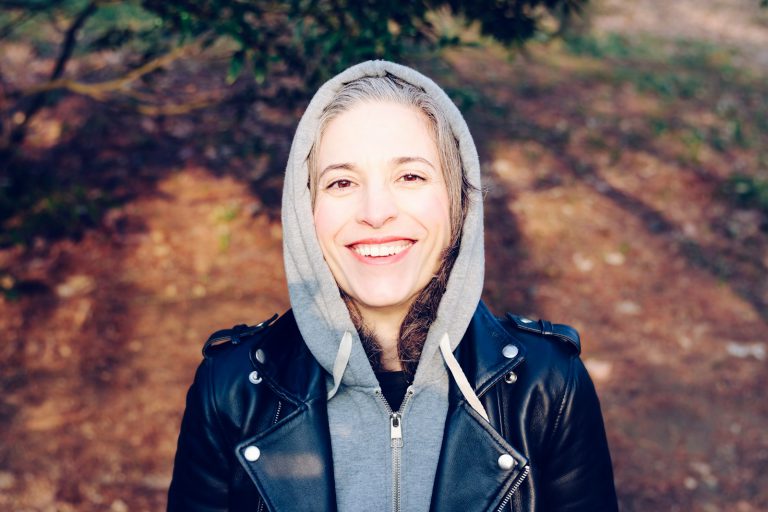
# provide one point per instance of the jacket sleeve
(579, 476)
(201, 466)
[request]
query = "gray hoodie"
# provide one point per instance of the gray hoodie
(374, 470)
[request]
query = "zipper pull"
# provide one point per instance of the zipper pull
(396, 430)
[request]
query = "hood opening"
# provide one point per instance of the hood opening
(321, 313)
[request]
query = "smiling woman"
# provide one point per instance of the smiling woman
(381, 215)
(389, 385)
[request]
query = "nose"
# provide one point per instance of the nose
(378, 205)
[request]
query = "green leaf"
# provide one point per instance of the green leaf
(235, 66)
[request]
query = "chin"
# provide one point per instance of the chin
(385, 300)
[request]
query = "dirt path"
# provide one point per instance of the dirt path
(100, 368)
(740, 24)
(613, 244)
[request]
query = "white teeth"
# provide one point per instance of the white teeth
(380, 250)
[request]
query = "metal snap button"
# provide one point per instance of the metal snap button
(506, 462)
(510, 351)
(254, 377)
(260, 356)
(252, 453)
(510, 378)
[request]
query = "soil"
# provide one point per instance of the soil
(593, 219)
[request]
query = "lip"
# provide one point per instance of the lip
(380, 240)
(381, 260)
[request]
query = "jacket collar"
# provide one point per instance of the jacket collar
(488, 351)
(292, 371)
(288, 366)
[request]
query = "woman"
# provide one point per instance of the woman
(389, 385)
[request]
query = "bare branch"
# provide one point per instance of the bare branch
(38, 100)
(71, 38)
(99, 90)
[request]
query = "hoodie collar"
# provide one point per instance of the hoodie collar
(481, 353)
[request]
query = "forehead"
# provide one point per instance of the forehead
(374, 130)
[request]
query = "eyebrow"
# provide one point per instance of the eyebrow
(400, 160)
(333, 167)
(408, 159)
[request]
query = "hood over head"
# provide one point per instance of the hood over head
(320, 312)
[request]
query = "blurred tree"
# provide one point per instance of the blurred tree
(308, 39)
(287, 47)
(314, 39)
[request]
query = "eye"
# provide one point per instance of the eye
(411, 177)
(342, 183)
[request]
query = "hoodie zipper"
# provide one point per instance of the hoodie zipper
(396, 443)
(514, 488)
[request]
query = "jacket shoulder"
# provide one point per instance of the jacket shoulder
(272, 351)
(561, 332)
(236, 335)
(233, 366)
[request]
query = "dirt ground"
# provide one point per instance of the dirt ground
(603, 212)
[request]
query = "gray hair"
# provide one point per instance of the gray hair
(393, 89)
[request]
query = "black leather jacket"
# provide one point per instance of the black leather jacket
(262, 387)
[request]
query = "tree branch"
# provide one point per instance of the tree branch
(38, 100)
(99, 90)
(71, 38)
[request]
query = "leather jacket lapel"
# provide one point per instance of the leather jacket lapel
(290, 462)
(474, 473)
(292, 468)
(471, 445)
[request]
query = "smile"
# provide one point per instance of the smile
(381, 250)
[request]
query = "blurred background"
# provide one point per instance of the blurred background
(142, 146)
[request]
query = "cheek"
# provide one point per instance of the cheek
(434, 209)
(326, 223)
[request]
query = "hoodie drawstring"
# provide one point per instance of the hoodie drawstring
(460, 378)
(345, 350)
(340, 363)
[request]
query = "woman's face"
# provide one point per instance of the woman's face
(382, 209)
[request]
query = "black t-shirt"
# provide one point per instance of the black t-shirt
(393, 386)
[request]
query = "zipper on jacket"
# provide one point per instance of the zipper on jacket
(396, 443)
(260, 508)
(277, 414)
(515, 487)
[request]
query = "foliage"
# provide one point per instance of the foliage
(281, 50)
(59, 212)
(314, 39)
(298, 41)
(748, 191)
(612, 45)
